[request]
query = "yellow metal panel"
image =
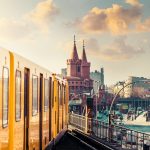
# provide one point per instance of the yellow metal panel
(11, 104)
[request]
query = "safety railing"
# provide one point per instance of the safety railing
(78, 121)
(114, 134)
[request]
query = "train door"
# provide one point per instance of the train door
(58, 99)
(40, 106)
(62, 95)
(26, 108)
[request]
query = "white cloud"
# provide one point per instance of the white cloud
(134, 3)
(143, 26)
(117, 51)
(92, 46)
(43, 14)
(36, 21)
(120, 50)
(116, 20)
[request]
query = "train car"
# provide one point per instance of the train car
(59, 106)
(31, 96)
(31, 99)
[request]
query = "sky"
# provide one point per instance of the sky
(116, 33)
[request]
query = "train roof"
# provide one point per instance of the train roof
(29, 63)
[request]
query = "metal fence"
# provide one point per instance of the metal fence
(78, 121)
(118, 135)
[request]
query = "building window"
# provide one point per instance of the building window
(34, 95)
(18, 95)
(46, 94)
(5, 91)
(72, 82)
(78, 69)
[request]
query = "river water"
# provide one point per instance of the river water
(140, 128)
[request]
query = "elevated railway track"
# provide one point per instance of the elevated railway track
(114, 136)
(76, 140)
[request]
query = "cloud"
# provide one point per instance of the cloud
(116, 19)
(92, 46)
(36, 21)
(134, 3)
(43, 14)
(117, 51)
(120, 50)
(143, 26)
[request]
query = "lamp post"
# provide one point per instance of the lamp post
(96, 94)
(110, 116)
(110, 110)
(117, 94)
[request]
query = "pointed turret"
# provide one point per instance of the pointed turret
(74, 54)
(85, 66)
(84, 59)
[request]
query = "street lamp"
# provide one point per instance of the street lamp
(110, 114)
(96, 94)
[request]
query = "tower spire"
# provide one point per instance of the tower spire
(74, 39)
(83, 44)
(84, 59)
(74, 54)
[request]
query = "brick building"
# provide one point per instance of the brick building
(78, 73)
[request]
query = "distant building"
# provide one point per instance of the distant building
(78, 73)
(64, 72)
(98, 79)
(141, 88)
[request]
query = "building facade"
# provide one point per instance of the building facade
(141, 88)
(64, 72)
(78, 73)
(98, 79)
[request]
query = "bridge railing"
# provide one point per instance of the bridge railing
(114, 134)
(77, 121)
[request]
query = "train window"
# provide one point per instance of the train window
(18, 95)
(46, 95)
(34, 95)
(53, 95)
(62, 94)
(5, 96)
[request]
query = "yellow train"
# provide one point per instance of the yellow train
(33, 104)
